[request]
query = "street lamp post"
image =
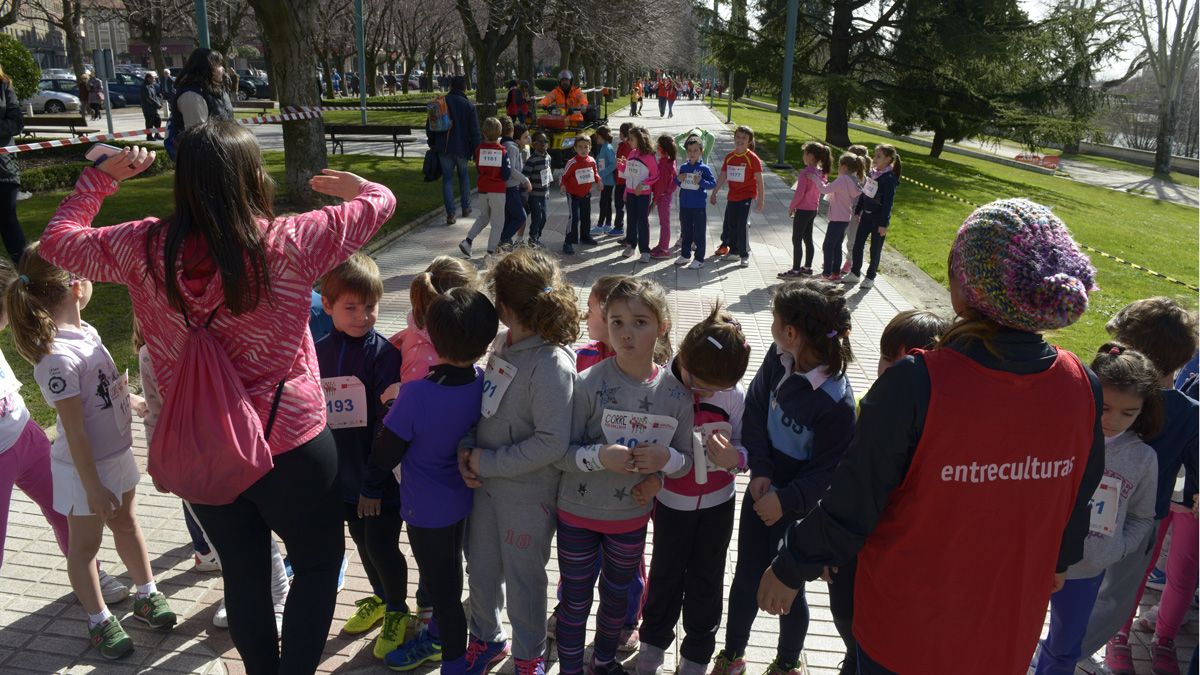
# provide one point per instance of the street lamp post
(785, 95)
(360, 36)
(202, 23)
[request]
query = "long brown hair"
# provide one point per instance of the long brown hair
(893, 154)
(651, 294)
(818, 310)
(531, 285)
(222, 193)
(30, 301)
(1120, 367)
(199, 70)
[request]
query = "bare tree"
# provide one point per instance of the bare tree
(489, 27)
(229, 19)
(335, 21)
(1168, 33)
(66, 16)
(148, 20)
(10, 12)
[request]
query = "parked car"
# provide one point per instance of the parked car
(253, 73)
(253, 87)
(61, 73)
(126, 85)
(176, 71)
(72, 87)
(47, 100)
(131, 69)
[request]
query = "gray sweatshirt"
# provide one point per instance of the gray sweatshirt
(588, 490)
(531, 429)
(1131, 476)
(517, 161)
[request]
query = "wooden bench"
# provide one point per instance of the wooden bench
(55, 124)
(257, 105)
(340, 134)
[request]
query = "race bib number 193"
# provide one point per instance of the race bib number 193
(345, 402)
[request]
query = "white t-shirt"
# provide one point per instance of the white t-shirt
(14, 416)
(79, 365)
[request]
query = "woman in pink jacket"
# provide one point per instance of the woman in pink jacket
(664, 187)
(223, 252)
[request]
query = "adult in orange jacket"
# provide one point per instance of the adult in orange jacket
(567, 98)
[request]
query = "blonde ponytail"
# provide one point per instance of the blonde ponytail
(29, 301)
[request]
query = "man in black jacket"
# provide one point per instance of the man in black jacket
(455, 146)
(151, 99)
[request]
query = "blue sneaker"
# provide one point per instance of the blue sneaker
(483, 656)
(1157, 579)
(342, 573)
(411, 654)
(616, 232)
(598, 231)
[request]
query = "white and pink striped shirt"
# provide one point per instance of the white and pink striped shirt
(266, 345)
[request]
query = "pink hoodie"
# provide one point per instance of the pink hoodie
(416, 352)
(842, 194)
(651, 163)
(665, 185)
(807, 197)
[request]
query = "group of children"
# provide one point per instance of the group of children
(644, 172)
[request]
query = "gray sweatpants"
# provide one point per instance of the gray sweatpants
(1114, 603)
(509, 534)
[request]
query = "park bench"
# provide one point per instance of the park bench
(76, 125)
(340, 134)
(260, 106)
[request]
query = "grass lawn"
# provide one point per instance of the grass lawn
(109, 310)
(416, 120)
(1176, 177)
(1157, 234)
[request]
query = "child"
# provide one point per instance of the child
(511, 453)
(852, 228)
(579, 178)
(417, 354)
(742, 169)
(491, 161)
(622, 155)
(358, 368)
(606, 163)
(875, 207)
(843, 193)
(538, 171)
(92, 465)
(799, 421)
(693, 520)
(421, 433)
(641, 173)
(635, 96)
(695, 178)
(514, 186)
(1122, 506)
(803, 208)
(597, 348)
(629, 417)
(1180, 586)
(1166, 333)
(909, 330)
(664, 187)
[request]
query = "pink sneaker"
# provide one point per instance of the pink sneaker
(661, 253)
(1118, 656)
(1163, 659)
(846, 267)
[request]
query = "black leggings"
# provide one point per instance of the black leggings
(378, 542)
(606, 206)
(10, 227)
(802, 239)
(298, 499)
(439, 554)
(841, 604)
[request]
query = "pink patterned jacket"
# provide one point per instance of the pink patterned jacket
(266, 345)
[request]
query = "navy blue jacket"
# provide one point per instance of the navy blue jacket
(464, 135)
(374, 361)
(794, 434)
(1176, 445)
(877, 211)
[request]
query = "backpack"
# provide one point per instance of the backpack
(438, 115)
(209, 445)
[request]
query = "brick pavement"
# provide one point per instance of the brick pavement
(42, 628)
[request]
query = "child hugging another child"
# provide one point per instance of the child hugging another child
(693, 520)
(92, 465)
(631, 418)
(359, 369)
(798, 423)
(803, 208)
(417, 354)
(510, 459)
(852, 228)
(1122, 506)
(843, 193)
(419, 440)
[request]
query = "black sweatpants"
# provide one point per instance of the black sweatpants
(619, 205)
(841, 605)
(439, 554)
(687, 573)
(867, 230)
(10, 226)
(757, 546)
(378, 542)
(298, 499)
(802, 239)
(606, 207)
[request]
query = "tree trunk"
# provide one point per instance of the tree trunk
(369, 76)
(564, 51)
(485, 88)
(430, 59)
(289, 32)
(1162, 145)
(939, 143)
(837, 102)
(154, 39)
(525, 67)
(328, 70)
(73, 29)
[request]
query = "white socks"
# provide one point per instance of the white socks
(147, 589)
(97, 619)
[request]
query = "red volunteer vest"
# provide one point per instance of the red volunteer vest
(970, 539)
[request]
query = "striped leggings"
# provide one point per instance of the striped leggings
(578, 551)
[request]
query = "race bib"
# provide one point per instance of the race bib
(584, 176)
(490, 157)
(632, 429)
(635, 173)
(119, 393)
(345, 402)
(547, 176)
(736, 174)
(1105, 503)
(870, 187)
(690, 181)
(496, 378)
(700, 436)
(600, 164)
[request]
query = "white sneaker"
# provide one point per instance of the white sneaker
(627, 252)
(206, 563)
(682, 260)
(22, 195)
(645, 257)
(745, 262)
(465, 247)
(867, 283)
(696, 264)
(850, 279)
(221, 619)
(112, 589)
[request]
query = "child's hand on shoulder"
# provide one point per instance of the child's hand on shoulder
(644, 491)
(368, 507)
(722, 453)
(616, 458)
(769, 509)
(649, 458)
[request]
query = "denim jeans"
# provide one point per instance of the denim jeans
(831, 248)
(867, 231)
(514, 213)
(450, 165)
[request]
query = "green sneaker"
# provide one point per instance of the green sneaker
(370, 612)
(153, 611)
(394, 633)
(112, 640)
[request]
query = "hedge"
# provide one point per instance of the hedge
(61, 175)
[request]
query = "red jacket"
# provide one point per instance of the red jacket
(491, 161)
(622, 154)
(578, 168)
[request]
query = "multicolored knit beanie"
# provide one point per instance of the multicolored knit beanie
(1016, 263)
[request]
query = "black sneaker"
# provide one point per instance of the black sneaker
(613, 667)
(589, 241)
(568, 249)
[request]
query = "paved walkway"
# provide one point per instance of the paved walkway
(42, 628)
